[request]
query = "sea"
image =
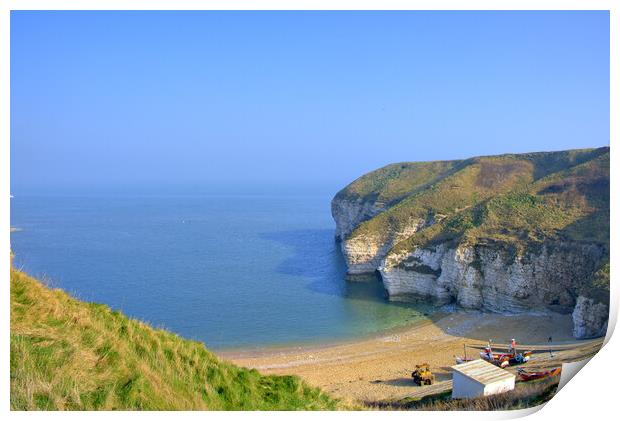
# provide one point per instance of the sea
(230, 270)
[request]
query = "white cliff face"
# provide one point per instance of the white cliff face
(490, 278)
(589, 318)
(364, 253)
(413, 276)
(350, 212)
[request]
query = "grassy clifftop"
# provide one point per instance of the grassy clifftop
(548, 193)
(572, 204)
(68, 354)
(436, 191)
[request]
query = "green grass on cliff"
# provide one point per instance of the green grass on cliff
(475, 182)
(513, 198)
(71, 355)
(571, 204)
(393, 182)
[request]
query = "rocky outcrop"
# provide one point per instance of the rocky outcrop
(492, 277)
(590, 318)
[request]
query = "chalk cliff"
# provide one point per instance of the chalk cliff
(510, 233)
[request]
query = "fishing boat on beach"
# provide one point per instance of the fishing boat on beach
(503, 360)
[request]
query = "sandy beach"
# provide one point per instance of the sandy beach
(379, 368)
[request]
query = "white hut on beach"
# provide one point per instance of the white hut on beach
(480, 378)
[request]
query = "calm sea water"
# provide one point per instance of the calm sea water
(228, 271)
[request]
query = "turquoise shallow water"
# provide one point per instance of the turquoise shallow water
(230, 271)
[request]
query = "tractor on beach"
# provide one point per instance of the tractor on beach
(422, 375)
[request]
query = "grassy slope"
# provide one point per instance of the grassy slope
(68, 354)
(393, 182)
(457, 191)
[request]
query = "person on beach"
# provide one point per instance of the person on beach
(550, 350)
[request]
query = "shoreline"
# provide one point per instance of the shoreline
(239, 351)
(377, 368)
(291, 347)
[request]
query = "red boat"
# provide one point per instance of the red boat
(526, 376)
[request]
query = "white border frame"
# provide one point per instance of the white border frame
(591, 394)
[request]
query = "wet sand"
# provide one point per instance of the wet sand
(379, 368)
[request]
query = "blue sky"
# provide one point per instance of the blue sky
(154, 99)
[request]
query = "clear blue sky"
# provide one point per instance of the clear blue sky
(109, 99)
